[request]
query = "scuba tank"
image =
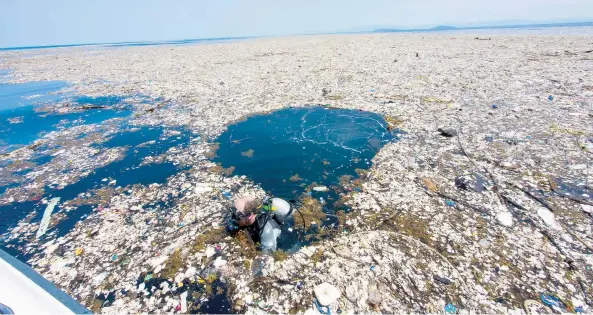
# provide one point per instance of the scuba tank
(282, 209)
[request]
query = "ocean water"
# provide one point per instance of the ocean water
(21, 123)
(286, 150)
(291, 150)
(4, 75)
(17, 95)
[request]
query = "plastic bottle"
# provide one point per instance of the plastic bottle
(269, 235)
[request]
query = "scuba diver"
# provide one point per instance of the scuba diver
(262, 218)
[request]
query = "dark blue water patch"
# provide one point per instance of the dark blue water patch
(128, 170)
(4, 188)
(134, 138)
(106, 299)
(73, 217)
(203, 297)
(42, 159)
(578, 190)
(216, 304)
(288, 149)
(13, 213)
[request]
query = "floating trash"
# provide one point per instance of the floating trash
(47, 216)
(450, 308)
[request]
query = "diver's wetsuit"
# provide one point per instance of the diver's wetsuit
(256, 229)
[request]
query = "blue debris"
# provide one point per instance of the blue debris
(579, 309)
(450, 203)
(226, 194)
(494, 106)
(489, 138)
(550, 98)
(552, 301)
(450, 308)
(372, 268)
(322, 309)
(114, 257)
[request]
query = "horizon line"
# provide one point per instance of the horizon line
(378, 30)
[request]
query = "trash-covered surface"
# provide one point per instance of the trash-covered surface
(475, 208)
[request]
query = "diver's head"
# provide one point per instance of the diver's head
(246, 209)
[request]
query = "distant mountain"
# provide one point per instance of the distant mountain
(432, 29)
(524, 22)
(443, 28)
(481, 27)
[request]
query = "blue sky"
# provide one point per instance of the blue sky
(51, 22)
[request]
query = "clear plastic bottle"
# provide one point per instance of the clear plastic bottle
(271, 232)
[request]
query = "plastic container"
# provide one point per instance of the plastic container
(270, 234)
